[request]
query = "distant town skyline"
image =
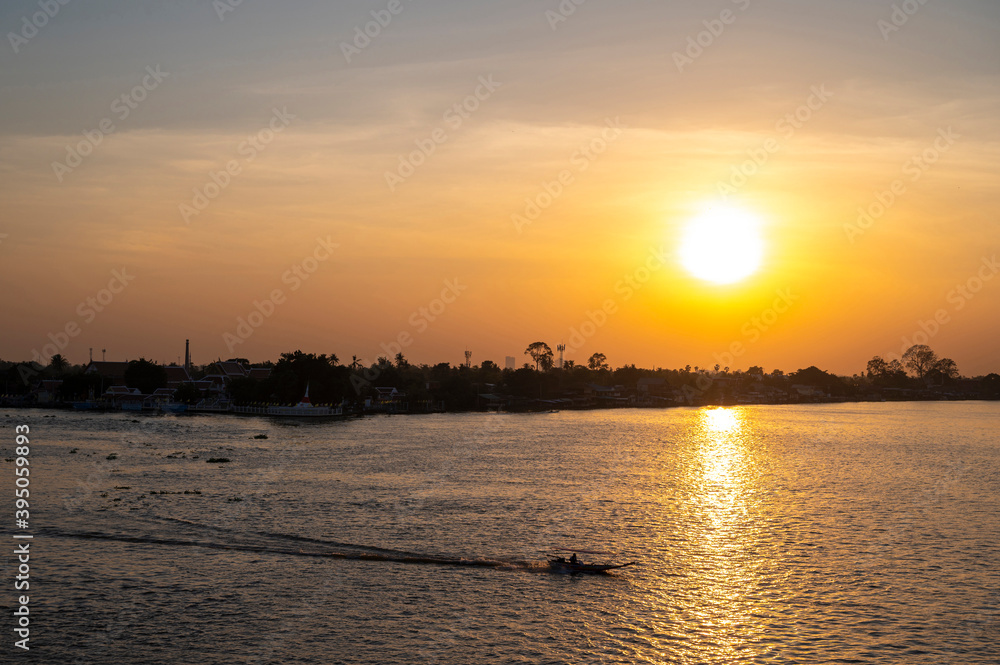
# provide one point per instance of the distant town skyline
(779, 184)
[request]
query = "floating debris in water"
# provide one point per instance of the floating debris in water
(217, 460)
(112, 456)
(260, 436)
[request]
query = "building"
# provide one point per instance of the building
(387, 400)
(46, 391)
(115, 371)
(177, 375)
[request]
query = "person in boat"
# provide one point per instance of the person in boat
(572, 559)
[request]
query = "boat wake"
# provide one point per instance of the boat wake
(263, 542)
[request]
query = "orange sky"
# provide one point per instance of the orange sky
(598, 100)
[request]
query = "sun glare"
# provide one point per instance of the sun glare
(722, 245)
(721, 420)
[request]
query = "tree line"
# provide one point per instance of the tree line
(459, 387)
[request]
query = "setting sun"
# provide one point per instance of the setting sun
(540, 332)
(722, 245)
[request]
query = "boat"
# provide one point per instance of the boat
(304, 409)
(562, 565)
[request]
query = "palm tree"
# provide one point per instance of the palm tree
(58, 363)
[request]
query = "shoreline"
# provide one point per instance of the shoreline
(361, 413)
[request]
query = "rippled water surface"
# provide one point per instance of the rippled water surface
(775, 534)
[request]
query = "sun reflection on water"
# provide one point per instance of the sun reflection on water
(720, 450)
(723, 479)
(721, 420)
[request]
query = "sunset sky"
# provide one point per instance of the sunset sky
(796, 114)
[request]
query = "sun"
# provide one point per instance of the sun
(722, 245)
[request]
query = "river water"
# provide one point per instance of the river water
(768, 534)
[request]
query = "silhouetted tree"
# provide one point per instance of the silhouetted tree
(541, 354)
(944, 371)
(886, 374)
(293, 372)
(78, 385)
(597, 361)
(990, 386)
(877, 368)
(58, 363)
(145, 375)
(946, 367)
(814, 376)
(919, 359)
(187, 393)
